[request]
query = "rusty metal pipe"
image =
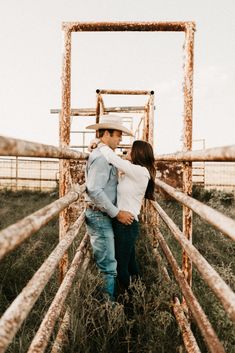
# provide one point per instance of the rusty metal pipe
(44, 332)
(92, 111)
(21, 148)
(16, 313)
(124, 92)
(188, 337)
(200, 317)
(64, 326)
(15, 234)
(211, 277)
(216, 154)
(125, 26)
(223, 223)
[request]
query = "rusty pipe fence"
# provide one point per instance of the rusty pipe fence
(14, 235)
(190, 305)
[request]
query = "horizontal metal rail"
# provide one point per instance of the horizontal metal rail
(216, 154)
(44, 332)
(124, 92)
(211, 277)
(223, 223)
(16, 313)
(16, 233)
(126, 26)
(92, 111)
(188, 337)
(200, 317)
(21, 148)
(30, 179)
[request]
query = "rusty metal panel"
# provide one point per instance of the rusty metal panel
(45, 330)
(15, 234)
(16, 313)
(216, 154)
(210, 276)
(21, 148)
(126, 26)
(223, 223)
(188, 337)
(200, 317)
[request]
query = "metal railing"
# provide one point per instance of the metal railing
(15, 234)
(191, 255)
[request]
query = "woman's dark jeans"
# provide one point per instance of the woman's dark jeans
(125, 238)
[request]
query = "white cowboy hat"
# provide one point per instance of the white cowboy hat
(112, 122)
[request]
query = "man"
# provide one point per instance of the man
(101, 183)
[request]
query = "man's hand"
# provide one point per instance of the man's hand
(125, 217)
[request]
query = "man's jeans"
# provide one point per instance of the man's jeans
(99, 227)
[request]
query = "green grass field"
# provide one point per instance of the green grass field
(143, 320)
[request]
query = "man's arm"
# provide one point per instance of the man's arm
(98, 176)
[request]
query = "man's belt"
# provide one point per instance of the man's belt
(92, 207)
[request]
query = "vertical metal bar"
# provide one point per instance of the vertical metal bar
(17, 172)
(83, 142)
(98, 106)
(64, 142)
(147, 128)
(151, 118)
(40, 171)
(187, 172)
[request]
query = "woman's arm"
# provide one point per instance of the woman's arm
(123, 165)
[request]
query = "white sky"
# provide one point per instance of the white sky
(31, 57)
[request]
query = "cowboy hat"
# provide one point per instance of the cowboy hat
(112, 122)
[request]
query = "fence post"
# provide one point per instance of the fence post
(187, 170)
(64, 165)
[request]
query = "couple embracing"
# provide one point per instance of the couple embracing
(115, 190)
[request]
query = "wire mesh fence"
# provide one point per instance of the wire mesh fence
(39, 174)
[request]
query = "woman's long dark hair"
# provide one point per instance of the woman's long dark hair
(142, 154)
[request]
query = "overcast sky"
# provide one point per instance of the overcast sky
(31, 57)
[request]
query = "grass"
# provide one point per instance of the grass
(143, 320)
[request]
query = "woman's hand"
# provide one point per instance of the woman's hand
(93, 144)
(127, 154)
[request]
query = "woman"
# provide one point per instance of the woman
(136, 181)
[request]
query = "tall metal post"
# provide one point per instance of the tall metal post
(151, 118)
(64, 132)
(188, 115)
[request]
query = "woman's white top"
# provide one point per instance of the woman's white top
(132, 182)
